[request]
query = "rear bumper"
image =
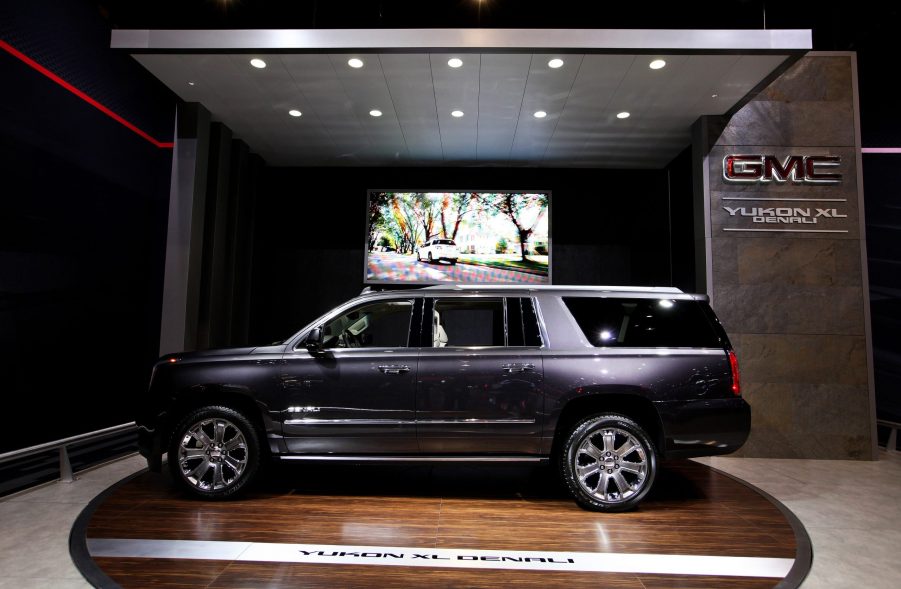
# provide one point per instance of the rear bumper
(704, 427)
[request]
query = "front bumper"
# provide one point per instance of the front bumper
(150, 445)
(704, 427)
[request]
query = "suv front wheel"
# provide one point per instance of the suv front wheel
(608, 463)
(214, 452)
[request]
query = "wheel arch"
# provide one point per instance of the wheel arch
(630, 404)
(237, 397)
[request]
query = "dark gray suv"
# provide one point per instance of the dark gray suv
(605, 381)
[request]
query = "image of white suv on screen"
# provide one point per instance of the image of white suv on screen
(437, 249)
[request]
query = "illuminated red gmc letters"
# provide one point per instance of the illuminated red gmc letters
(766, 168)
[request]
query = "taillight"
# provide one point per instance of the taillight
(733, 364)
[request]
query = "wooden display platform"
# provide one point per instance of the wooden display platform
(439, 526)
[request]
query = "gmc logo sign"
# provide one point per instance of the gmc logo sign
(797, 168)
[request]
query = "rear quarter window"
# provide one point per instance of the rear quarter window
(522, 323)
(643, 323)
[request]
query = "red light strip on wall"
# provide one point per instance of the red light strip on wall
(105, 110)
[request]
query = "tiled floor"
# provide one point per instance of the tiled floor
(852, 511)
(35, 525)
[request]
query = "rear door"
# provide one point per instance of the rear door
(479, 388)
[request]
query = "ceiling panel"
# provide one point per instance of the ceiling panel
(366, 89)
(457, 89)
(497, 92)
(546, 90)
(409, 78)
(502, 85)
(587, 106)
(329, 106)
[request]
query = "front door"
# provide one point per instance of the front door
(477, 393)
(356, 396)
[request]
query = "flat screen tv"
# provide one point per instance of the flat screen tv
(459, 237)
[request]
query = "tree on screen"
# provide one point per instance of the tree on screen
(426, 207)
(378, 204)
(513, 206)
(455, 206)
(405, 228)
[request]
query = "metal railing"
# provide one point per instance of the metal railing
(65, 466)
(892, 444)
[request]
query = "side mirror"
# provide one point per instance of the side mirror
(314, 340)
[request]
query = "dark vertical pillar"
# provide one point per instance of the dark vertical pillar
(184, 242)
(213, 320)
(208, 258)
(247, 168)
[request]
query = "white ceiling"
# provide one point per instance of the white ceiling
(498, 92)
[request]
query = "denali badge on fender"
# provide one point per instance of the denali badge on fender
(602, 379)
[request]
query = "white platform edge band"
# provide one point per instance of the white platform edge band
(459, 558)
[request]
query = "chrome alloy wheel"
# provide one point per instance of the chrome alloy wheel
(611, 465)
(212, 454)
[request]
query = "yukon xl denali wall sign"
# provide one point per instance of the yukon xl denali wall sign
(772, 209)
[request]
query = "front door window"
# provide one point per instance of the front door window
(384, 324)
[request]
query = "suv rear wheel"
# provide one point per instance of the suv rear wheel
(608, 463)
(215, 452)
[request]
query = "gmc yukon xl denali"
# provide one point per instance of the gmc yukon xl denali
(603, 381)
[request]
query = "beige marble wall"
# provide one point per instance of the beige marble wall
(794, 301)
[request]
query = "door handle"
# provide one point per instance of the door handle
(517, 367)
(394, 368)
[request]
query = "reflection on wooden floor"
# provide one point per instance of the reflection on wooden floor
(692, 510)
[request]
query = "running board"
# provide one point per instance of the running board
(345, 458)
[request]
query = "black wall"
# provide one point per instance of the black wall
(883, 215)
(607, 227)
(682, 237)
(82, 226)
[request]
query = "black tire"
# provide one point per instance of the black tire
(431, 261)
(622, 442)
(453, 262)
(222, 468)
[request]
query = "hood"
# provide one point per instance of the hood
(198, 355)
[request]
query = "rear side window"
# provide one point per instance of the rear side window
(468, 322)
(642, 323)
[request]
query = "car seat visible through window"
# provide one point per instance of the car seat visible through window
(439, 336)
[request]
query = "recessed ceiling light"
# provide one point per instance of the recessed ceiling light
(714, 95)
(294, 112)
(355, 62)
(190, 83)
(657, 64)
(455, 62)
(623, 115)
(258, 63)
(375, 112)
(539, 114)
(555, 63)
(457, 113)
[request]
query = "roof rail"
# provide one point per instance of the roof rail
(653, 289)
